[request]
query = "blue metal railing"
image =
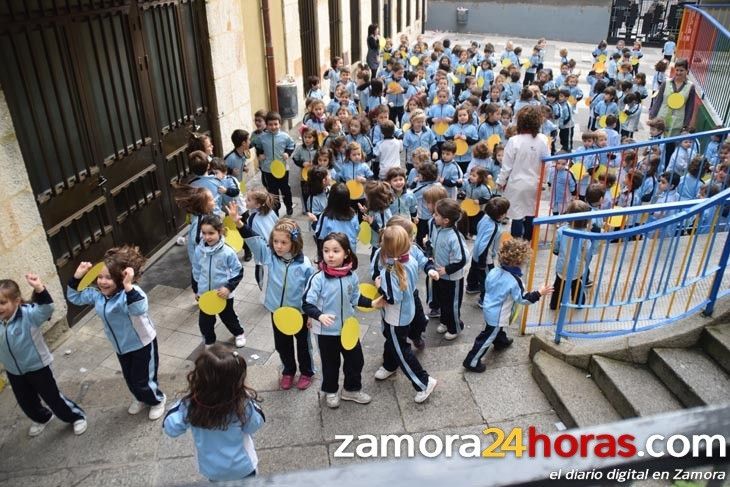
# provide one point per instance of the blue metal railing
(651, 264)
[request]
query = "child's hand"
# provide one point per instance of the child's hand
(285, 156)
(221, 189)
(459, 181)
(362, 208)
(545, 290)
(312, 217)
(35, 282)
(308, 324)
(460, 136)
(326, 320)
(223, 292)
(433, 274)
(307, 164)
(378, 302)
(377, 282)
(435, 156)
(82, 269)
(127, 278)
(232, 208)
(415, 220)
(368, 218)
(441, 180)
(441, 271)
(361, 179)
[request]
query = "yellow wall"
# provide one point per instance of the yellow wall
(276, 16)
(253, 31)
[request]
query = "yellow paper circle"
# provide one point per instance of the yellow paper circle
(229, 224)
(278, 169)
(602, 121)
(599, 67)
(211, 304)
(414, 61)
(386, 56)
(602, 58)
(321, 138)
(616, 221)
(242, 186)
(369, 291)
(440, 128)
(578, 171)
(305, 173)
(549, 141)
(470, 207)
(90, 276)
(572, 100)
(350, 333)
(406, 127)
(623, 117)
(394, 88)
(453, 78)
(234, 240)
(634, 60)
(504, 237)
(461, 70)
(506, 63)
(588, 101)
(187, 219)
(480, 82)
(356, 189)
(615, 190)
(288, 320)
(381, 42)
(493, 140)
(600, 171)
(461, 147)
(365, 233)
(490, 182)
(675, 101)
(525, 63)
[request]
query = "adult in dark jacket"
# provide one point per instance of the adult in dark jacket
(373, 55)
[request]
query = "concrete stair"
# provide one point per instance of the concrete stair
(671, 379)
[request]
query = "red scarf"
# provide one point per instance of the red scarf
(335, 271)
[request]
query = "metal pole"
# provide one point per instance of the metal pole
(270, 67)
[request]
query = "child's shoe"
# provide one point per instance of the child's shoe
(37, 428)
(286, 382)
(158, 410)
(419, 343)
(450, 336)
(502, 345)
(472, 291)
(480, 367)
(304, 382)
(441, 328)
(136, 407)
(423, 395)
(80, 426)
(240, 340)
(333, 401)
(434, 313)
(356, 396)
(382, 373)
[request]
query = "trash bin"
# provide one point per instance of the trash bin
(462, 15)
(286, 91)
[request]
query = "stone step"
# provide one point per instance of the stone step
(576, 398)
(715, 340)
(632, 389)
(693, 377)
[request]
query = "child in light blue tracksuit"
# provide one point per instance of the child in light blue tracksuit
(450, 174)
(261, 218)
(289, 270)
(397, 282)
(450, 257)
(465, 131)
(122, 307)
(223, 427)
(27, 360)
(379, 196)
(486, 245)
(329, 299)
(338, 216)
(404, 202)
(504, 292)
(561, 247)
(217, 268)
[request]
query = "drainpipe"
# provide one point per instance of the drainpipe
(270, 68)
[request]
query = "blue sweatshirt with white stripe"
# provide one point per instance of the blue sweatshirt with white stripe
(22, 347)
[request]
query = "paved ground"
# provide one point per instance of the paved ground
(120, 449)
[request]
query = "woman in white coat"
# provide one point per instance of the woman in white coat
(522, 167)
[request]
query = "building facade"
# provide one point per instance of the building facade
(97, 101)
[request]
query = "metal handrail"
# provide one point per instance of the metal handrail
(710, 18)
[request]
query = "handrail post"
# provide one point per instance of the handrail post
(715, 289)
(567, 286)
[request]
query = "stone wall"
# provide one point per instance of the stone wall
(23, 244)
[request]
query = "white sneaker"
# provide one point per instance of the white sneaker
(241, 340)
(450, 336)
(356, 396)
(136, 407)
(37, 428)
(80, 426)
(423, 395)
(382, 373)
(158, 410)
(333, 401)
(181, 241)
(441, 328)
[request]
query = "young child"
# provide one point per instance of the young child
(632, 110)
(275, 145)
(682, 155)
(690, 184)
(329, 298)
(237, 159)
(122, 305)
(222, 412)
(486, 245)
(303, 156)
(27, 360)
(428, 174)
(333, 74)
(314, 90)
(566, 123)
(404, 203)
(418, 137)
(397, 284)
(259, 121)
(388, 151)
(318, 190)
(463, 130)
(358, 132)
(289, 271)
(338, 216)
(450, 174)
(196, 202)
(563, 186)
(378, 197)
(230, 187)
(660, 76)
(261, 216)
(475, 188)
(199, 163)
(450, 257)
(561, 247)
(504, 290)
(354, 168)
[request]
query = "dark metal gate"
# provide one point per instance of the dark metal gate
(652, 22)
(103, 95)
(335, 28)
(308, 37)
(355, 32)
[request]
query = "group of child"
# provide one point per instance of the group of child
(413, 155)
